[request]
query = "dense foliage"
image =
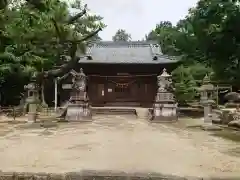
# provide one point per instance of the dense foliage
(31, 33)
(207, 40)
(121, 35)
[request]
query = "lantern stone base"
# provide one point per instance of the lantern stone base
(78, 113)
(32, 117)
(210, 127)
(207, 114)
(163, 119)
(78, 110)
(164, 113)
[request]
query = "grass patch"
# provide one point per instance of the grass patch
(228, 134)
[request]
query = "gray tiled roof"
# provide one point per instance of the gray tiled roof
(134, 52)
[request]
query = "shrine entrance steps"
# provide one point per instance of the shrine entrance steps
(107, 110)
(122, 104)
(136, 111)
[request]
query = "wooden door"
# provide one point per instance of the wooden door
(122, 93)
(148, 92)
(110, 92)
(100, 93)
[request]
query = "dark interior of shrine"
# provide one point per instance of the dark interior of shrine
(114, 83)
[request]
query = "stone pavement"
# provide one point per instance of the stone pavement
(117, 143)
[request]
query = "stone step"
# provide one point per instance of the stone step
(142, 113)
(114, 111)
(123, 104)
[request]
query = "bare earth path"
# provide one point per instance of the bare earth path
(117, 143)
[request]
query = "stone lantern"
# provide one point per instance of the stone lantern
(206, 93)
(165, 106)
(32, 99)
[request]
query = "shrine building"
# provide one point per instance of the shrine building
(122, 73)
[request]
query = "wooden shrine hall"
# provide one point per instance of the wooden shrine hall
(120, 73)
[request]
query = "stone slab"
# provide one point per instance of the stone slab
(210, 127)
(75, 113)
(164, 119)
(100, 175)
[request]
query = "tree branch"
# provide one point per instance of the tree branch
(74, 60)
(89, 36)
(72, 51)
(73, 48)
(64, 68)
(69, 41)
(77, 16)
(57, 29)
(60, 71)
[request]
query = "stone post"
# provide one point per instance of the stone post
(206, 91)
(55, 94)
(32, 100)
(207, 112)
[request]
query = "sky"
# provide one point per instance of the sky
(137, 17)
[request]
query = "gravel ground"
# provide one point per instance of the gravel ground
(122, 143)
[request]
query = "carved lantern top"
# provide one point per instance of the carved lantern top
(164, 82)
(206, 79)
(32, 91)
(206, 91)
(34, 77)
(32, 85)
(206, 85)
(165, 74)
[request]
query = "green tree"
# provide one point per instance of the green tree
(121, 35)
(165, 33)
(199, 37)
(185, 85)
(215, 25)
(199, 70)
(87, 24)
(35, 34)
